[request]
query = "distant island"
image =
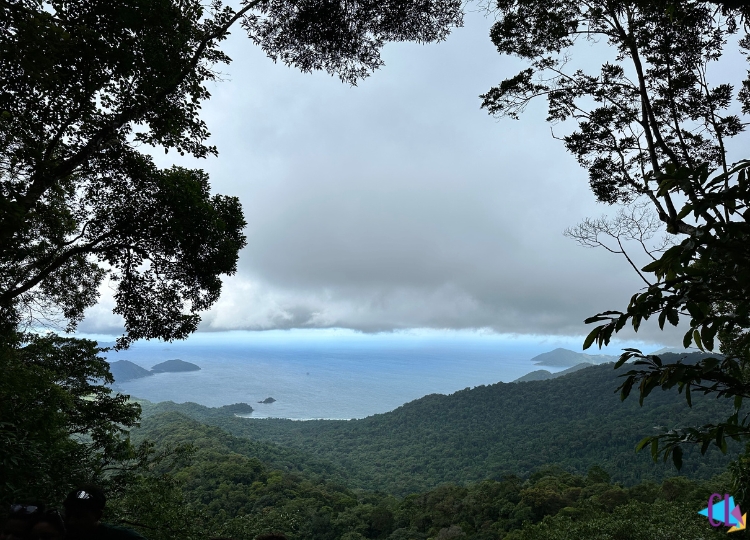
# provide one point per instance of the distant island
(567, 358)
(236, 408)
(267, 400)
(125, 370)
(174, 366)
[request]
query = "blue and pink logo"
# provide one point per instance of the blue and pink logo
(724, 513)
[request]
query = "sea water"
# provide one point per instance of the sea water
(331, 378)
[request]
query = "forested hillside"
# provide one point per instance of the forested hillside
(236, 488)
(575, 421)
(172, 428)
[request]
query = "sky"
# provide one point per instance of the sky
(400, 205)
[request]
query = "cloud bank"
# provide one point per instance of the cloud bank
(399, 203)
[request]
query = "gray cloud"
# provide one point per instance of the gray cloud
(399, 203)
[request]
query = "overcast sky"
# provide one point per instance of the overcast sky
(400, 204)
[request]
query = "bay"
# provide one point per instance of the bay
(337, 378)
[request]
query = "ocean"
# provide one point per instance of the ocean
(334, 378)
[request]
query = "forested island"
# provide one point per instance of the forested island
(174, 366)
(125, 370)
(566, 358)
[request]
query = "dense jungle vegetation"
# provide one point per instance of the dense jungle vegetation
(575, 421)
(239, 488)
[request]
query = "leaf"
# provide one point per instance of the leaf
(603, 316)
(708, 365)
(707, 335)
(654, 448)
(624, 357)
(647, 385)
(605, 335)
(688, 339)
(642, 444)
(664, 186)
(653, 266)
(621, 322)
(693, 309)
(685, 211)
(662, 318)
(731, 205)
(697, 339)
(677, 457)
(626, 387)
(592, 337)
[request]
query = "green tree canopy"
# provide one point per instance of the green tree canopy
(59, 422)
(652, 104)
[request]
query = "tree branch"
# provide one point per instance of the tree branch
(43, 181)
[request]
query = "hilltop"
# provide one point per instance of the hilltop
(567, 358)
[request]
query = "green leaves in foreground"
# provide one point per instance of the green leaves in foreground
(707, 276)
(724, 378)
(707, 279)
(61, 424)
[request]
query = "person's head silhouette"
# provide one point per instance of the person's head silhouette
(83, 509)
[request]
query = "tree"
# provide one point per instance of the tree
(60, 424)
(706, 278)
(85, 84)
(651, 128)
(658, 109)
